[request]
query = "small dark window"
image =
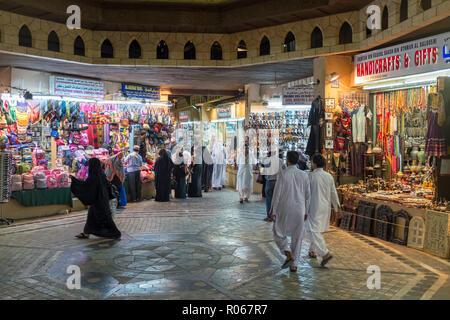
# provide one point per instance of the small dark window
(316, 38)
(216, 51)
(162, 50)
(289, 42)
(385, 18)
(134, 51)
(78, 47)
(264, 47)
(53, 42)
(189, 51)
(25, 37)
(242, 50)
(345, 34)
(107, 50)
(425, 4)
(403, 10)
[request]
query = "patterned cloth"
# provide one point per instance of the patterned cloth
(435, 144)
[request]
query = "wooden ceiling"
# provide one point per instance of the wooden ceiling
(214, 80)
(198, 16)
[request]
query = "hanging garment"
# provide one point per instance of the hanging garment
(93, 136)
(435, 144)
(316, 113)
(359, 125)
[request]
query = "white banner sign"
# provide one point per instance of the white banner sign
(298, 96)
(415, 57)
(75, 87)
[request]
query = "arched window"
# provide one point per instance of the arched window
(162, 50)
(107, 50)
(345, 34)
(316, 38)
(78, 47)
(25, 37)
(53, 42)
(134, 51)
(242, 50)
(403, 10)
(189, 51)
(264, 46)
(368, 30)
(425, 4)
(289, 42)
(216, 51)
(385, 18)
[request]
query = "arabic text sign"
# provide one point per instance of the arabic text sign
(75, 87)
(139, 91)
(298, 96)
(224, 112)
(415, 57)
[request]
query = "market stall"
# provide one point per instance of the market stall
(49, 137)
(391, 135)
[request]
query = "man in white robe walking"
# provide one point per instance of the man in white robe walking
(219, 159)
(290, 203)
(323, 196)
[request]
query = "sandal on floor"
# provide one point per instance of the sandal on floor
(293, 269)
(82, 236)
(287, 263)
(325, 261)
(312, 255)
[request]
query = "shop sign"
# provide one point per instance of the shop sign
(224, 112)
(415, 57)
(139, 91)
(75, 87)
(183, 116)
(298, 96)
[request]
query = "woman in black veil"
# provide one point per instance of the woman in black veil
(163, 170)
(195, 186)
(180, 172)
(95, 192)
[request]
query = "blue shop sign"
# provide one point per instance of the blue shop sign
(139, 91)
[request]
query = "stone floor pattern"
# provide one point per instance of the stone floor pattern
(209, 248)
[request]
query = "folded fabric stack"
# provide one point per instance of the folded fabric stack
(28, 181)
(16, 182)
(40, 180)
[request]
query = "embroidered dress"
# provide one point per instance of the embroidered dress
(435, 144)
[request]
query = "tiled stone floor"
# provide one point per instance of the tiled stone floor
(209, 248)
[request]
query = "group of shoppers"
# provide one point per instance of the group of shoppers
(301, 206)
(189, 172)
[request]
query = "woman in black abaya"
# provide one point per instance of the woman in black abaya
(163, 169)
(95, 192)
(195, 186)
(180, 172)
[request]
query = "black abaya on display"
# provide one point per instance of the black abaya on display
(163, 169)
(316, 113)
(94, 192)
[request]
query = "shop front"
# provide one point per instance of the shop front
(390, 132)
(48, 137)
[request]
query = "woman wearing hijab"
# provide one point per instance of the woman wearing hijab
(180, 171)
(96, 192)
(195, 186)
(163, 169)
